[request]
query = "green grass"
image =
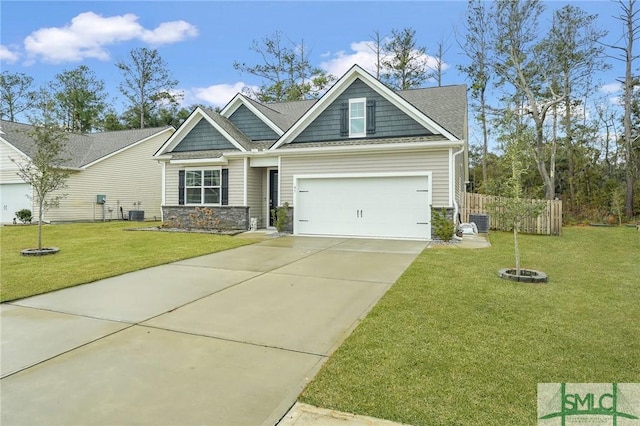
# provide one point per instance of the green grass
(451, 343)
(92, 251)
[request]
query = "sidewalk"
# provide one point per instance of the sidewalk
(308, 415)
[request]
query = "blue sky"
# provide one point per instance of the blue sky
(200, 40)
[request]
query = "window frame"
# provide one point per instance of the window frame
(363, 118)
(202, 185)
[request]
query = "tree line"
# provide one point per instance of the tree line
(76, 99)
(528, 87)
(579, 147)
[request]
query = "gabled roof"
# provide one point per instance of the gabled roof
(445, 105)
(222, 124)
(441, 110)
(82, 150)
(356, 72)
(271, 118)
(292, 111)
(227, 126)
(278, 116)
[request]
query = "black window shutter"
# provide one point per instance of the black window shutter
(181, 187)
(371, 117)
(225, 187)
(344, 119)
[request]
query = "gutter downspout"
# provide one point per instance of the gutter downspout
(456, 208)
(164, 187)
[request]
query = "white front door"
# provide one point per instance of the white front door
(364, 206)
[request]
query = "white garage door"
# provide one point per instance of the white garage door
(13, 197)
(367, 206)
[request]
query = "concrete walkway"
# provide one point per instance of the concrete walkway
(229, 338)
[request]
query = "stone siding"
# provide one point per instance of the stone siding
(195, 217)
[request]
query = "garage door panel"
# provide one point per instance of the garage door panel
(392, 207)
(333, 221)
(13, 197)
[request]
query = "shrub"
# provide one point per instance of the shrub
(172, 222)
(280, 217)
(24, 215)
(443, 227)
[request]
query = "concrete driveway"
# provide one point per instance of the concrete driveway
(229, 338)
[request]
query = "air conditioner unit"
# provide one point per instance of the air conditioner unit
(137, 215)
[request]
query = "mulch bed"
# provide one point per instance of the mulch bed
(190, 231)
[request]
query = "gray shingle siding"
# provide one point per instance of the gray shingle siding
(204, 137)
(390, 121)
(251, 125)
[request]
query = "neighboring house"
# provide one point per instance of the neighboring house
(361, 161)
(118, 165)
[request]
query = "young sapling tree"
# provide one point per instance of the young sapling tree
(514, 208)
(44, 170)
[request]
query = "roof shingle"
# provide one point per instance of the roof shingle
(81, 149)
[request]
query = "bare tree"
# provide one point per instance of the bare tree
(609, 120)
(573, 54)
(441, 51)
(629, 19)
(377, 47)
(519, 63)
(477, 46)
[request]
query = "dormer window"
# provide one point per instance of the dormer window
(357, 117)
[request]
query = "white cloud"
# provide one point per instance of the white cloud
(611, 87)
(363, 54)
(170, 32)
(616, 100)
(613, 93)
(218, 95)
(8, 56)
(89, 34)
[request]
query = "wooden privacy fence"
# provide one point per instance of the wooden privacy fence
(549, 222)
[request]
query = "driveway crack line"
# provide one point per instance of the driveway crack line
(227, 339)
(35, 364)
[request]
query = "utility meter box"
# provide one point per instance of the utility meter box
(101, 199)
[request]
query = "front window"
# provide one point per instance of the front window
(357, 119)
(202, 186)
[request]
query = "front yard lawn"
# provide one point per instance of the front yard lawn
(453, 344)
(91, 251)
